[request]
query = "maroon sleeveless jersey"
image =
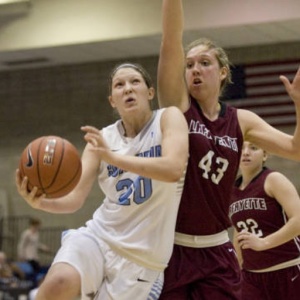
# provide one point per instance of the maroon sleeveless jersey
(215, 150)
(253, 210)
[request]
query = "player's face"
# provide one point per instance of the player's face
(129, 91)
(203, 74)
(252, 158)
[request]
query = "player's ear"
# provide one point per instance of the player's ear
(223, 73)
(265, 157)
(111, 101)
(151, 92)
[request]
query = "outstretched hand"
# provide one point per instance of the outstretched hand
(94, 137)
(29, 196)
(292, 88)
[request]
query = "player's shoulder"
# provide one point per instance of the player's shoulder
(246, 115)
(275, 177)
(173, 117)
(171, 110)
(275, 180)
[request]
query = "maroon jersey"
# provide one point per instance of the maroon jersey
(215, 150)
(253, 210)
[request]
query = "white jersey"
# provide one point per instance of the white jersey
(137, 217)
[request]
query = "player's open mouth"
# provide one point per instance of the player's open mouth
(129, 100)
(197, 81)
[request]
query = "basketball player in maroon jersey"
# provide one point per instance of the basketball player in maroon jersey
(204, 264)
(265, 211)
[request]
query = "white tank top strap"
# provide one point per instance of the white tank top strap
(201, 241)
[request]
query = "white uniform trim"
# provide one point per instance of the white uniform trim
(201, 241)
(284, 265)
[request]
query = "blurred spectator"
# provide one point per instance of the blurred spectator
(29, 245)
(5, 269)
(9, 270)
(13, 283)
(11, 277)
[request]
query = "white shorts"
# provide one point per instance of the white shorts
(104, 274)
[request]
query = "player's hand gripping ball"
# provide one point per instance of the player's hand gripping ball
(52, 164)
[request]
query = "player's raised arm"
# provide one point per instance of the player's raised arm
(171, 84)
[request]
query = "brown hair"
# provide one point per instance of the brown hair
(34, 222)
(137, 67)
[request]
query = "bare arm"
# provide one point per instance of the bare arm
(257, 131)
(237, 247)
(74, 200)
(280, 188)
(169, 167)
(171, 83)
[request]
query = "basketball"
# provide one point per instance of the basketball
(52, 164)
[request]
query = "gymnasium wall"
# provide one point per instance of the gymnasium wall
(58, 100)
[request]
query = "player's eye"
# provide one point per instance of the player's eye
(118, 84)
(189, 65)
(136, 80)
(205, 63)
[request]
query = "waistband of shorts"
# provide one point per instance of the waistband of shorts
(284, 265)
(201, 241)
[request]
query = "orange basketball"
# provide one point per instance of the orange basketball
(52, 164)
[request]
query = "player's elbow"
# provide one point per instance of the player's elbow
(296, 154)
(177, 172)
(295, 220)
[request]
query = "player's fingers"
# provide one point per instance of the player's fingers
(23, 186)
(93, 135)
(33, 191)
(31, 196)
(286, 82)
(90, 129)
(242, 235)
(242, 241)
(18, 177)
(92, 140)
(244, 245)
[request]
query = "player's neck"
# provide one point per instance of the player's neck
(210, 111)
(132, 127)
(248, 177)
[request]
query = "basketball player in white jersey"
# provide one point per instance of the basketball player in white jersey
(139, 162)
